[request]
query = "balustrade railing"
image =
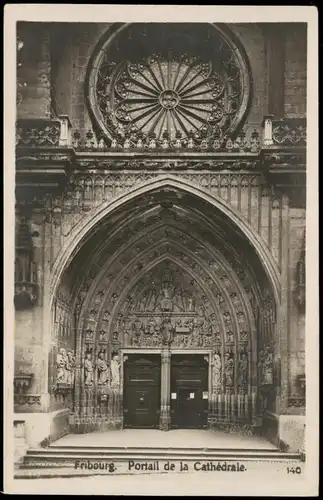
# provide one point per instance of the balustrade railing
(285, 132)
(43, 132)
(58, 132)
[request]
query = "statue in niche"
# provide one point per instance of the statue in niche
(229, 369)
(243, 369)
(137, 327)
(89, 334)
(88, 369)
(70, 367)
(127, 336)
(196, 338)
(115, 370)
(267, 367)
(115, 337)
(165, 299)
(92, 314)
(244, 335)
(190, 304)
(217, 336)
(106, 316)
(240, 317)
(227, 317)
(151, 326)
(61, 366)
(99, 296)
(103, 369)
(103, 336)
(219, 298)
(167, 331)
(156, 339)
(217, 367)
(229, 336)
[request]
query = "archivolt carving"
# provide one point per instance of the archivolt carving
(241, 192)
(152, 236)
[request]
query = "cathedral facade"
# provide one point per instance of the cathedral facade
(160, 228)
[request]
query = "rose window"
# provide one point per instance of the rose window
(168, 82)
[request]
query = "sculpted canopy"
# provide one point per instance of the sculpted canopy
(166, 83)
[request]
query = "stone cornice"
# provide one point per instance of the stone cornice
(46, 161)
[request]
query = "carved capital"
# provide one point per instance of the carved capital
(22, 382)
(25, 295)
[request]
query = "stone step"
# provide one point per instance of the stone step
(68, 457)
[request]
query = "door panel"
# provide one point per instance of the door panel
(142, 391)
(189, 381)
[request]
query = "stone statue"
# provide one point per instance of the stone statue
(243, 369)
(70, 367)
(166, 302)
(103, 336)
(88, 369)
(229, 336)
(61, 366)
(190, 307)
(115, 371)
(106, 316)
(229, 369)
(167, 331)
(267, 367)
(102, 367)
(217, 365)
(151, 326)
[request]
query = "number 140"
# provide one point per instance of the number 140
(294, 470)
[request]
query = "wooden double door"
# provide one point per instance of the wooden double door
(188, 391)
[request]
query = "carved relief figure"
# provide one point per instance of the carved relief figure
(61, 366)
(217, 366)
(115, 371)
(243, 369)
(229, 369)
(102, 366)
(88, 369)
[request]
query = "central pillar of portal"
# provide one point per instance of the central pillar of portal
(165, 417)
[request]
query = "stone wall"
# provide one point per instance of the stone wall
(297, 319)
(295, 70)
(34, 74)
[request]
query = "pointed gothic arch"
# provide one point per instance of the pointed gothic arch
(88, 225)
(121, 248)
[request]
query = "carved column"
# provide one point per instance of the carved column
(165, 417)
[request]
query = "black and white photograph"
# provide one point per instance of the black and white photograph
(162, 247)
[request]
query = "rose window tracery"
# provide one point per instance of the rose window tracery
(167, 84)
